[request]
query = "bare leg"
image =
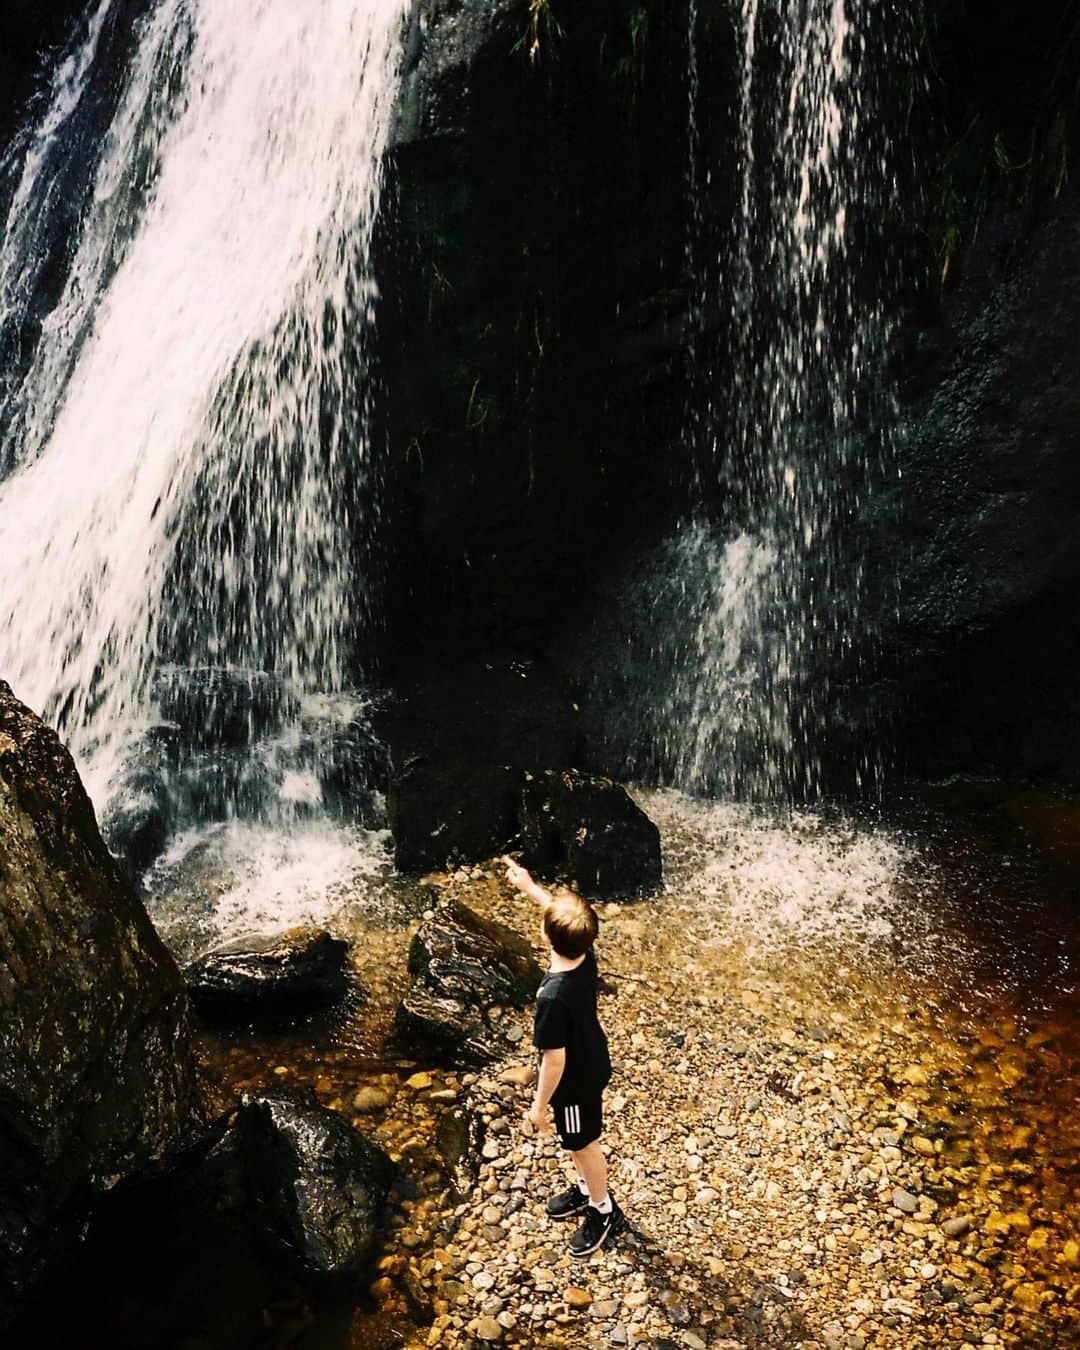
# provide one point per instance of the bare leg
(592, 1165)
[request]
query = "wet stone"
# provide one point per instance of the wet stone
(905, 1201)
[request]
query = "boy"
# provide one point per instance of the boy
(574, 1062)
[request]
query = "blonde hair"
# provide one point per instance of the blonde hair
(570, 924)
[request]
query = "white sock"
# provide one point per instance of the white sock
(582, 1187)
(604, 1206)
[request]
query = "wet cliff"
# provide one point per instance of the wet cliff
(538, 337)
(96, 1066)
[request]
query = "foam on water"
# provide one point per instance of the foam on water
(251, 879)
(775, 881)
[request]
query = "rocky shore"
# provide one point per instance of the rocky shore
(796, 1159)
(832, 1124)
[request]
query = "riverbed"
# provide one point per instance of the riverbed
(848, 1054)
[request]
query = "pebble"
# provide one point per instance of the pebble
(905, 1201)
(370, 1099)
(488, 1329)
(521, 1075)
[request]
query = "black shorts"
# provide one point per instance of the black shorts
(579, 1124)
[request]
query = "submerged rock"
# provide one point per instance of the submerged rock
(96, 1069)
(137, 821)
(463, 966)
(591, 830)
(460, 1139)
(301, 967)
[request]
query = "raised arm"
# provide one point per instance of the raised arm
(519, 878)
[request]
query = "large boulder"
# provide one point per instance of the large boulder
(590, 830)
(96, 1069)
(319, 1184)
(302, 967)
(271, 1210)
(463, 967)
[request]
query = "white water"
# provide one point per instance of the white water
(798, 434)
(226, 881)
(187, 438)
(786, 881)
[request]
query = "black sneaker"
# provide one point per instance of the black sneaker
(567, 1203)
(595, 1231)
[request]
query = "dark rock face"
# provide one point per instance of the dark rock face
(989, 637)
(441, 813)
(533, 317)
(318, 1182)
(462, 742)
(447, 41)
(303, 967)
(462, 967)
(591, 830)
(96, 1070)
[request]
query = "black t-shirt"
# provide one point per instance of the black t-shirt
(566, 1019)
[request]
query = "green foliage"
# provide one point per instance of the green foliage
(629, 67)
(1024, 165)
(543, 29)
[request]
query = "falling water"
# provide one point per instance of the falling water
(189, 442)
(764, 624)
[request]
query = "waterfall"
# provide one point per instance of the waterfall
(187, 451)
(759, 631)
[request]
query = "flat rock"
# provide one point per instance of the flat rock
(370, 1099)
(521, 1075)
(302, 966)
